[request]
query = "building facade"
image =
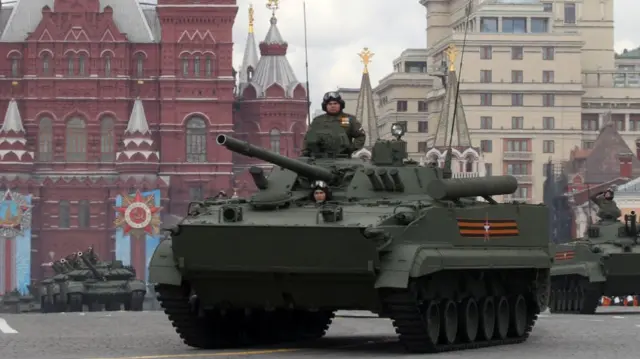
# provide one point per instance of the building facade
(105, 99)
(401, 98)
(538, 80)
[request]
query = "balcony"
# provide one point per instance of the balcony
(466, 175)
(511, 198)
(611, 84)
(515, 156)
(414, 79)
(524, 87)
(544, 39)
(523, 179)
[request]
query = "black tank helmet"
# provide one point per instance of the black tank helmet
(332, 96)
(609, 193)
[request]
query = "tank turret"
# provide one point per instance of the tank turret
(87, 262)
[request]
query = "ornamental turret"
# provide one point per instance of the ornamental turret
(15, 158)
(138, 153)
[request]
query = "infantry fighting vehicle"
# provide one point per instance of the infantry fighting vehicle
(605, 262)
(399, 239)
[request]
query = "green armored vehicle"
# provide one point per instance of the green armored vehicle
(606, 262)
(329, 232)
(16, 302)
(111, 285)
(53, 290)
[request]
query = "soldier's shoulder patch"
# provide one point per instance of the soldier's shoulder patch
(361, 130)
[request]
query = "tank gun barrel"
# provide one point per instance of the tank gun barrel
(58, 268)
(450, 189)
(297, 166)
(91, 267)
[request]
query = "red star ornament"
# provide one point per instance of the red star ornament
(138, 214)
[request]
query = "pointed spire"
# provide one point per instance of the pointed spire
(138, 143)
(13, 142)
(138, 120)
(274, 67)
(461, 136)
(366, 109)
(12, 119)
(250, 59)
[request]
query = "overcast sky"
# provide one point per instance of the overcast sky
(339, 29)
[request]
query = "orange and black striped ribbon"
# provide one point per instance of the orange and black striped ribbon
(563, 256)
(482, 228)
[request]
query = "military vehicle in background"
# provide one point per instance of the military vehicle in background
(402, 240)
(81, 279)
(53, 290)
(16, 302)
(111, 285)
(604, 263)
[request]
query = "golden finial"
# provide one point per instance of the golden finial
(365, 57)
(273, 5)
(452, 53)
(251, 18)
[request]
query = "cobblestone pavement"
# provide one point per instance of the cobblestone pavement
(613, 333)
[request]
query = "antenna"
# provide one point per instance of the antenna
(446, 171)
(306, 60)
(589, 223)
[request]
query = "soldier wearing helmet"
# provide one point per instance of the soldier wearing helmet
(608, 209)
(321, 193)
(333, 106)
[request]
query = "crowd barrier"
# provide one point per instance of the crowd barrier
(628, 301)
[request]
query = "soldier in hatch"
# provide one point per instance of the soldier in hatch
(321, 192)
(608, 209)
(333, 106)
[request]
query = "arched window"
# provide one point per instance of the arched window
(249, 73)
(82, 65)
(196, 140)
(106, 140)
(196, 66)
(84, 214)
(274, 140)
(76, 137)
(107, 65)
(208, 66)
(45, 140)
(46, 63)
(185, 66)
(140, 65)
(64, 214)
(15, 66)
(468, 165)
(70, 65)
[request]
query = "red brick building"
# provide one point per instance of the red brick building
(105, 97)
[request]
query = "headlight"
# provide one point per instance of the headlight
(397, 130)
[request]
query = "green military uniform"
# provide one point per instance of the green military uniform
(608, 209)
(351, 126)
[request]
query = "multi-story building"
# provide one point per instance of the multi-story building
(401, 97)
(105, 98)
(350, 97)
(537, 80)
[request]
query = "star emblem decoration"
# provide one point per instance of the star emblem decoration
(138, 214)
(11, 220)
